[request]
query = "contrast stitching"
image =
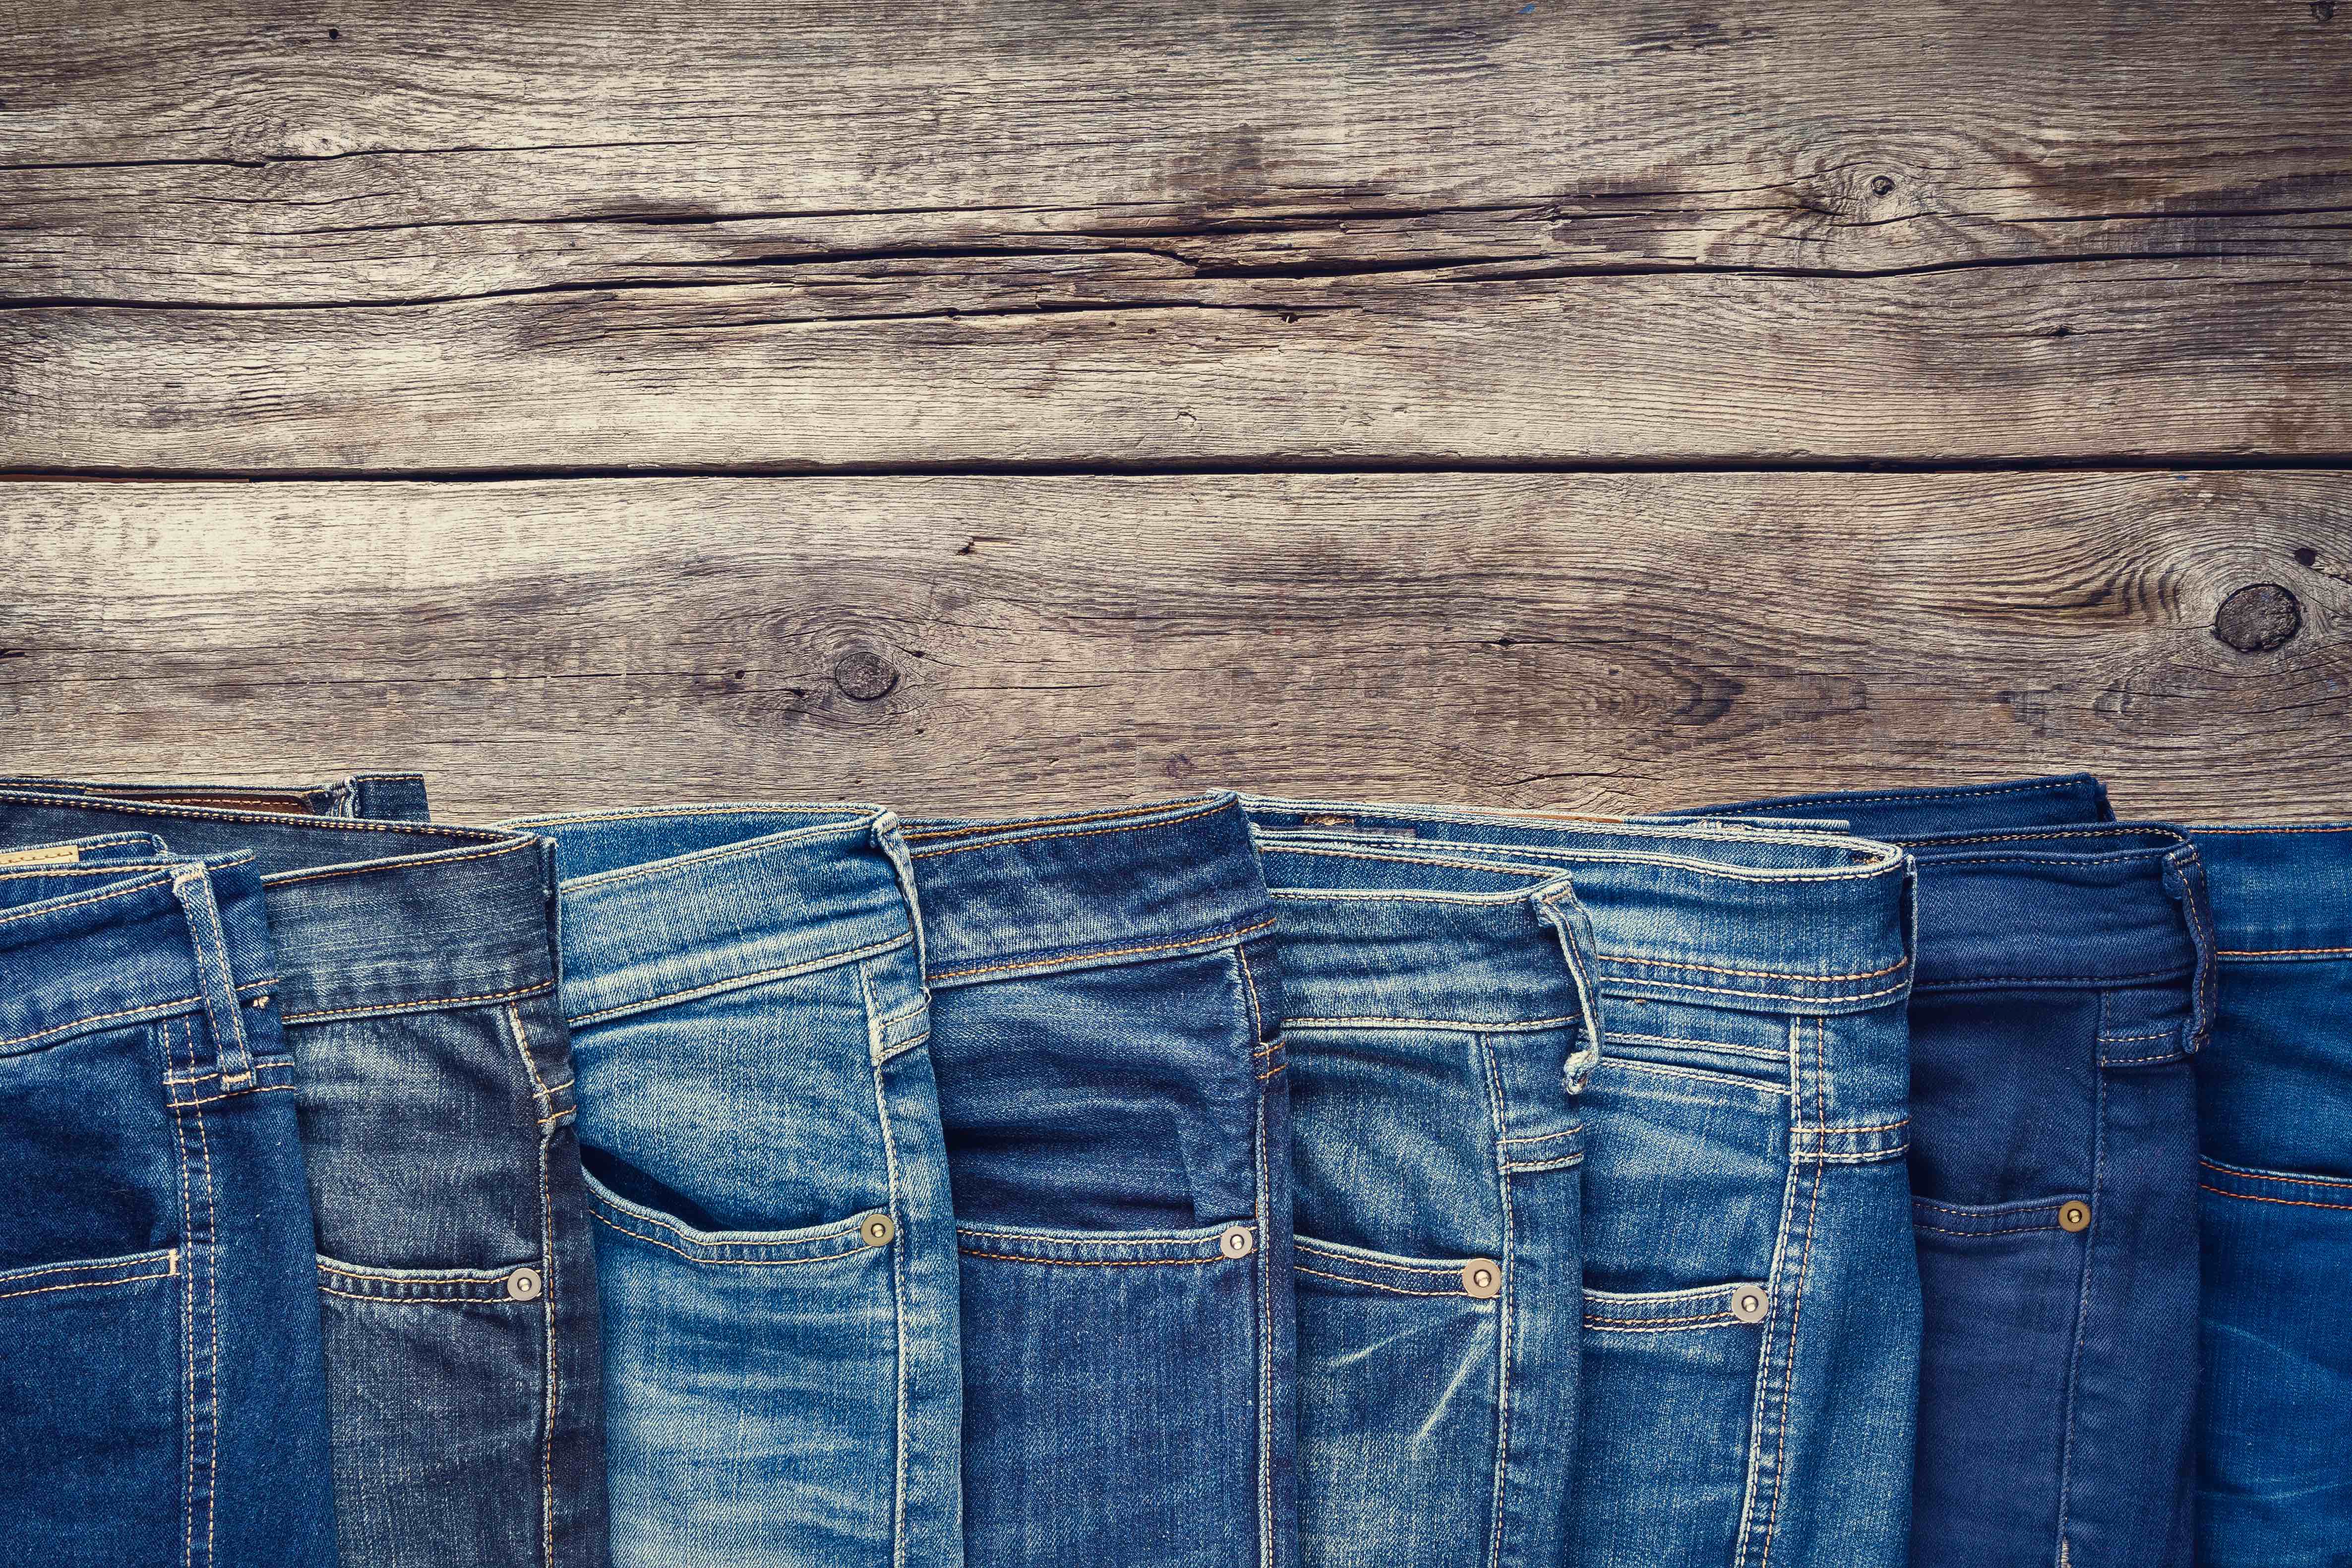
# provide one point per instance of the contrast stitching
(874, 1028)
(1836, 797)
(1262, 1211)
(1543, 1137)
(1249, 986)
(2308, 828)
(2249, 1172)
(430, 858)
(1698, 1075)
(740, 982)
(554, 1402)
(168, 1258)
(50, 907)
(847, 1228)
(760, 844)
(2120, 830)
(164, 1007)
(418, 1005)
(1766, 1052)
(1723, 991)
(1472, 1025)
(2052, 1206)
(1352, 1260)
(1797, 1308)
(2279, 952)
(1663, 1326)
(604, 1219)
(1498, 1115)
(1529, 1167)
(211, 1314)
(1096, 1262)
(262, 1089)
(418, 1301)
(1754, 974)
(750, 808)
(2008, 1230)
(969, 829)
(1209, 941)
(2082, 1311)
(1373, 1284)
(2122, 1039)
(1085, 1241)
(1270, 1072)
(2257, 1198)
(1039, 838)
(88, 1284)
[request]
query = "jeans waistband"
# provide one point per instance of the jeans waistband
(1005, 899)
(663, 906)
(1900, 816)
(394, 797)
(111, 931)
(1375, 939)
(1766, 920)
(2097, 906)
(364, 917)
(2280, 894)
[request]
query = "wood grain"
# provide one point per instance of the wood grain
(831, 234)
(1598, 641)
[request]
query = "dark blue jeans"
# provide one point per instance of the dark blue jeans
(2275, 1425)
(455, 1278)
(1106, 1009)
(2065, 984)
(161, 1399)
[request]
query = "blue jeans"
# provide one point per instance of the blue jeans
(777, 1252)
(162, 1397)
(2274, 1109)
(2065, 982)
(1105, 1015)
(1750, 1316)
(433, 1092)
(1441, 1021)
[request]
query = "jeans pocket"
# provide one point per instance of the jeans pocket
(751, 1387)
(1056, 1389)
(1399, 1397)
(462, 1355)
(1670, 1386)
(92, 1419)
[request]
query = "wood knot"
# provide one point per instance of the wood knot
(2258, 618)
(1882, 185)
(864, 675)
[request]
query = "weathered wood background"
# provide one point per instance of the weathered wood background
(990, 404)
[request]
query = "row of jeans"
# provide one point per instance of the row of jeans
(1959, 1176)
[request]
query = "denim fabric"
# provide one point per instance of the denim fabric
(1750, 1317)
(1440, 1019)
(434, 1092)
(2064, 984)
(1106, 1009)
(777, 1258)
(161, 1399)
(385, 797)
(2274, 1114)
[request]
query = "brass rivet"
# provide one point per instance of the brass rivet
(878, 1229)
(1482, 1279)
(1237, 1242)
(524, 1285)
(2073, 1216)
(1749, 1303)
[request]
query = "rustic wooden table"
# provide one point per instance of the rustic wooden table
(1013, 402)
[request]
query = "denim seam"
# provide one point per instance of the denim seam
(1760, 1052)
(670, 865)
(1211, 939)
(874, 1028)
(88, 1284)
(902, 1048)
(187, 1319)
(2118, 830)
(1769, 995)
(970, 829)
(740, 982)
(1096, 1262)
(1472, 1025)
(2257, 1173)
(1376, 1285)
(2259, 1198)
(165, 1008)
(1499, 1117)
(430, 858)
(1263, 1295)
(1336, 1256)
(1091, 1240)
(1532, 1167)
(1477, 860)
(1752, 973)
(598, 1214)
(1544, 1137)
(2083, 1311)
(1660, 1326)
(2279, 952)
(50, 907)
(211, 948)
(1698, 1075)
(1835, 798)
(212, 1312)
(1814, 1177)
(988, 843)
(746, 808)
(425, 1005)
(553, 1399)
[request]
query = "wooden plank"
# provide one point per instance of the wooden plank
(835, 234)
(1598, 642)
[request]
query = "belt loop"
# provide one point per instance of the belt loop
(887, 840)
(216, 982)
(1557, 907)
(2184, 878)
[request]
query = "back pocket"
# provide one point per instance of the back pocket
(92, 1407)
(1398, 1379)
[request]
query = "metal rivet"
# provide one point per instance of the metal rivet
(1482, 1279)
(1749, 1303)
(2073, 1216)
(524, 1285)
(879, 1229)
(1237, 1242)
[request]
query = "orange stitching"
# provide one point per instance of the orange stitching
(1098, 1262)
(86, 1284)
(969, 829)
(2256, 1198)
(1041, 838)
(152, 879)
(2278, 952)
(417, 1006)
(428, 857)
(1257, 1019)
(1337, 1256)
(2244, 1175)
(2308, 828)
(1796, 1314)
(1271, 1071)
(164, 1007)
(1757, 973)
(1374, 1284)
(744, 982)
(1209, 941)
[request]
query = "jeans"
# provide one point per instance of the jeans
(1750, 1311)
(776, 1254)
(2274, 1114)
(1440, 1022)
(1106, 1009)
(162, 1398)
(2066, 982)
(433, 1092)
